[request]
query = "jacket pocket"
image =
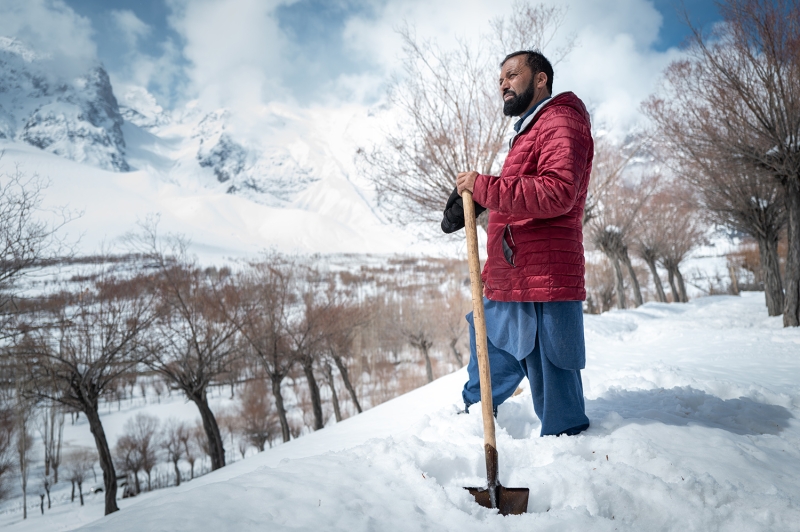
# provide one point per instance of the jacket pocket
(508, 246)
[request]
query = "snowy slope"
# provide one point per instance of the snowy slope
(694, 427)
(220, 225)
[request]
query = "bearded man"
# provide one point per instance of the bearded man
(534, 274)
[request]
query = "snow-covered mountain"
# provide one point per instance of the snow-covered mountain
(74, 118)
(279, 177)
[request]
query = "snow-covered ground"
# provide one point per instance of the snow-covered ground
(694, 427)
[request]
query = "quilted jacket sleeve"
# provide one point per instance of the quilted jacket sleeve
(563, 141)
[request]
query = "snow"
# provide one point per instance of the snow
(220, 225)
(694, 427)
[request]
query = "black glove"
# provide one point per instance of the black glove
(453, 218)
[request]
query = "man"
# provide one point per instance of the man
(533, 277)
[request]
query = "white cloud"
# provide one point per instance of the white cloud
(613, 67)
(235, 49)
(132, 28)
(158, 74)
(51, 28)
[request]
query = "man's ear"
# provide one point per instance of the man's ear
(541, 80)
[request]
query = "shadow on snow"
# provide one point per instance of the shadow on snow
(684, 406)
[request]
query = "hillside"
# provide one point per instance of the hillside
(694, 426)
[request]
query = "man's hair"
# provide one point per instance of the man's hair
(537, 63)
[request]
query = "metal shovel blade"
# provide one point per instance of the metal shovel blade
(510, 501)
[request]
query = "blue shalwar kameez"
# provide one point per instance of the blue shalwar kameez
(541, 341)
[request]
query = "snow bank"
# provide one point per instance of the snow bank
(694, 426)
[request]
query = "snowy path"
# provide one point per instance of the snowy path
(694, 427)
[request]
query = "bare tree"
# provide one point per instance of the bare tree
(736, 98)
(452, 309)
(683, 231)
(611, 228)
(610, 161)
(194, 341)
(305, 335)
(140, 432)
(190, 449)
(343, 322)
(327, 370)
(47, 485)
(75, 353)
(128, 460)
(418, 326)
(451, 119)
(51, 430)
(649, 241)
(79, 462)
(613, 204)
(745, 199)
(267, 292)
(25, 240)
(600, 285)
(259, 420)
(173, 440)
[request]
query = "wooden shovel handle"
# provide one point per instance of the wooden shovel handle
(479, 319)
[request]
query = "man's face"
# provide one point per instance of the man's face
(519, 86)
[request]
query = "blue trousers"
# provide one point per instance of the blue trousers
(557, 393)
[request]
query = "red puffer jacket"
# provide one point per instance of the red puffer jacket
(535, 247)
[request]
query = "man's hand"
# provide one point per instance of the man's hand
(466, 181)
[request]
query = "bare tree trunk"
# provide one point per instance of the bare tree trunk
(651, 263)
(681, 285)
(734, 280)
(313, 388)
(334, 397)
(791, 305)
(177, 473)
(428, 367)
(22, 449)
(216, 450)
(137, 483)
(80, 490)
(106, 461)
(620, 284)
(72, 497)
(637, 291)
(676, 298)
(345, 377)
(770, 265)
(59, 440)
(276, 391)
(456, 353)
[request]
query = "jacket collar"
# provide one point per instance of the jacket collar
(529, 120)
(518, 124)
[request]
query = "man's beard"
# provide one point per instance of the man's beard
(517, 105)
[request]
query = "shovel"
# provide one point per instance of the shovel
(510, 501)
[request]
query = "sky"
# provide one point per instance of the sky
(245, 53)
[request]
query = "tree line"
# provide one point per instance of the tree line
(358, 335)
